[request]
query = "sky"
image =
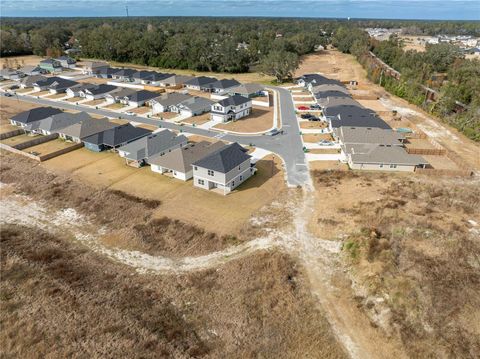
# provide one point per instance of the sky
(381, 9)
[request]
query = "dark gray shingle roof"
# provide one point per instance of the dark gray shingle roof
(118, 135)
(35, 114)
(233, 101)
(224, 159)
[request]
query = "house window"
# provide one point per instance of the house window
(241, 178)
(195, 168)
(233, 183)
(201, 182)
(211, 173)
(393, 166)
(381, 166)
(239, 168)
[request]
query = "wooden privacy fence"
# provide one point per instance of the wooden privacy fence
(4, 136)
(41, 158)
(450, 173)
(426, 151)
(35, 141)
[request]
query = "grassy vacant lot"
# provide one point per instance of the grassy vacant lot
(315, 137)
(261, 119)
(94, 102)
(313, 124)
(198, 120)
(108, 170)
(15, 140)
(60, 299)
(413, 252)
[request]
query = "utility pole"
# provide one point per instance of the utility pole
(126, 9)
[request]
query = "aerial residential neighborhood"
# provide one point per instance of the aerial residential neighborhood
(239, 179)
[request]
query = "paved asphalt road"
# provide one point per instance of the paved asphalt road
(288, 145)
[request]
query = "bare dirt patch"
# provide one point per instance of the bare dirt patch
(197, 120)
(94, 102)
(313, 124)
(49, 147)
(15, 140)
(316, 137)
(260, 119)
(325, 150)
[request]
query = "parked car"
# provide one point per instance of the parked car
(8, 94)
(14, 87)
(274, 132)
(315, 107)
(326, 143)
(303, 108)
(306, 116)
(314, 118)
(130, 113)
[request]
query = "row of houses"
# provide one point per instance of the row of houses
(44, 66)
(211, 165)
(366, 141)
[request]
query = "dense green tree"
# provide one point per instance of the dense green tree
(281, 64)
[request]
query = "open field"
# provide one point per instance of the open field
(20, 61)
(407, 240)
(260, 119)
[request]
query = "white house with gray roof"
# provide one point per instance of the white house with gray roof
(178, 162)
(231, 108)
(56, 122)
(224, 169)
(193, 106)
(140, 151)
(374, 157)
(165, 102)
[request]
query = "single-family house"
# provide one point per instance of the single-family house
(114, 137)
(179, 161)
(175, 81)
(193, 106)
(157, 77)
(231, 108)
(143, 76)
(97, 91)
(50, 65)
(44, 84)
(124, 74)
(35, 114)
(224, 169)
(221, 86)
(32, 70)
(53, 123)
(10, 74)
(200, 83)
(143, 150)
(352, 116)
(61, 85)
(77, 91)
(312, 80)
(105, 72)
(67, 62)
(28, 81)
(383, 158)
(80, 130)
(165, 102)
(138, 98)
(94, 67)
(249, 90)
(118, 94)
